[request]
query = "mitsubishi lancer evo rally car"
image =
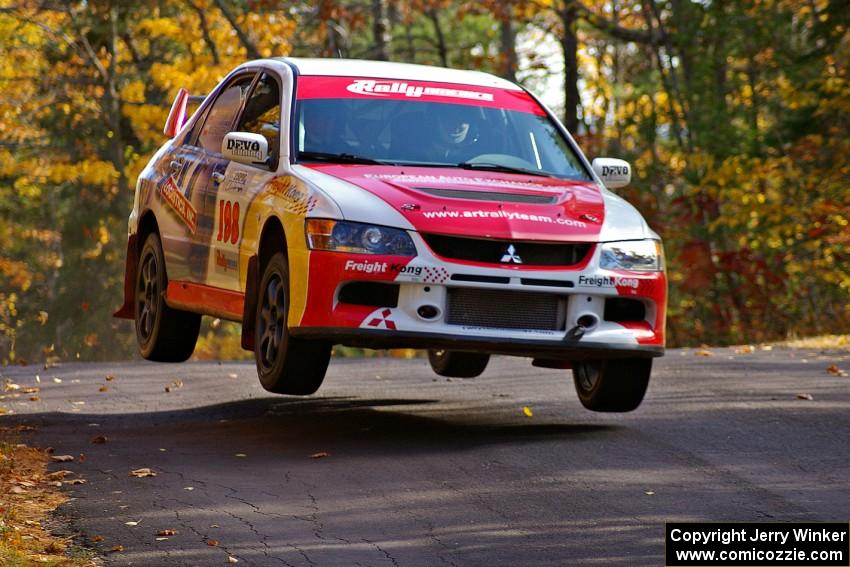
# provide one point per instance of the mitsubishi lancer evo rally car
(383, 205)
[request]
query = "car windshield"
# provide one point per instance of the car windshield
(391, 128)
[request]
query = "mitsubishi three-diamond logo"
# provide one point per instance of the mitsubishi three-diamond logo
(510, 256)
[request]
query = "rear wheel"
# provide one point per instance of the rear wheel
(456, 364)
(612, 385)
(285, 365)
(163, 334)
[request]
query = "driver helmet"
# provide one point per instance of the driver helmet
(454, 124)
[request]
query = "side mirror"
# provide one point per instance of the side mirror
(245, 147)
(613, 172)
(177, 115)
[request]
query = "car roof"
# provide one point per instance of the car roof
(388, 70)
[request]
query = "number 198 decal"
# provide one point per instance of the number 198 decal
(228, 221)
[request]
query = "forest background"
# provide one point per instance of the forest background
(733, 114)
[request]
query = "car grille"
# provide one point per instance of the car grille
(492, 251)
(489, 195)
(498, 309)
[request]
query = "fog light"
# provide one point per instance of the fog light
(428, 312)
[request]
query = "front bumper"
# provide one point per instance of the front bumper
(498, 312)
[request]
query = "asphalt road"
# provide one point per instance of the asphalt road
(425, 471)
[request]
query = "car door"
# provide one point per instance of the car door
(201, 170)
(232, 188)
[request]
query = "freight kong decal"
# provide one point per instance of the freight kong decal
(170, 193)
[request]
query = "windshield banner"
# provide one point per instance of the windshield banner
(316, 87)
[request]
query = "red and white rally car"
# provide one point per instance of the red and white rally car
(385, 205)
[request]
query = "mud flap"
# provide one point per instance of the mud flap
(249, 311)
(128, 310)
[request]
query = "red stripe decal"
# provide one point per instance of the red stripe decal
(212, 300)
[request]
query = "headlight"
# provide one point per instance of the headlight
(633, 255)
(344, 236)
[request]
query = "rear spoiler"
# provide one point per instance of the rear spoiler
(177, 116)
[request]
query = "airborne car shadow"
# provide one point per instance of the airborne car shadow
(270, 426)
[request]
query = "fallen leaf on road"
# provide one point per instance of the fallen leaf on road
(61, 458)
(96, 538)
(835, 371)
(703, 353)
(164, 533)
(766, 347)
(82, 458)
(527, 411)
(74, 481)
(320, 455)
(142, 473)
(212, 542)
(116, 548)
(745, 349)
(79, 403)
(131, 523)
(34, 398)
(240, 455)
(233, 375)
(103, 388)
(174, 385)
(57, 380)
(231, 559)
(30, 390)
(649, 492)
(188, 488)
(59, 475)
(805, 397)
(100, 440)
(110, 377)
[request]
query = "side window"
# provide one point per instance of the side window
(220, 117)
(262, 114)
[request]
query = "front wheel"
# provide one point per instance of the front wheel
(285, 365)
(163, 334)
(456, 364)
(616, 385)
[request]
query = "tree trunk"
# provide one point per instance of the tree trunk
(253, 52)
(441, 40)
(205, 31)
(508, 41)
(380, 30)
(113, 105)
(569, 46)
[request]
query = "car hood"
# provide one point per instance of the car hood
(482, 204)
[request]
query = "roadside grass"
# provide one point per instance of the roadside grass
(831, 342)
(27, 496)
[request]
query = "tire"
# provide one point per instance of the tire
(454, 364)
(285, 365)
(612, 385)
(162, 333)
